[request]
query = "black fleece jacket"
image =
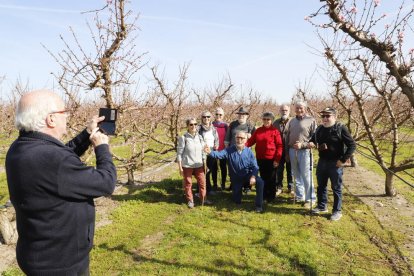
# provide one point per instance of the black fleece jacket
(335, 144)
(52, 192)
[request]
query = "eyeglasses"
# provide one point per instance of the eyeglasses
(205, 117)
(192, 124)
(326, 116)
(219, 114)
(64, 112)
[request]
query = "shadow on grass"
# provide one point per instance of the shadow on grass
(171, 191)
(399, 263)
(217, 266)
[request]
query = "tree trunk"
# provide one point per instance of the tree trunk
(130, 173)
(389, 184)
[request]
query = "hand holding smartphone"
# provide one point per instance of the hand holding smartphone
(108, 126)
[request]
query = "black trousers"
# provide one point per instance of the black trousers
(280, 171)
(268, 174)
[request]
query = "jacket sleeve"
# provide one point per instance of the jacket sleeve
(216, 138)
(349, 142)
(279, 146)
(80, 143)
(254, 167)
(252, 140)
(227, 139)
(223, 154)
(180, 148)
(75, 180)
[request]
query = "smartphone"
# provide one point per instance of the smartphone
(108, 126)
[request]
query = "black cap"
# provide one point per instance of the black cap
(242, 110)
(328, 110)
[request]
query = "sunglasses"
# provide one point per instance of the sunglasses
(205, 116)
(326, 116)
(192, 124)
(219, 114)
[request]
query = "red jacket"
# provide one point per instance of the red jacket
(268, 143)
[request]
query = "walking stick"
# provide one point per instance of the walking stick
(311, 180)
(294, 178)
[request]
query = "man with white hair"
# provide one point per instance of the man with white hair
(51, 189)
(298, 133)
(335, 145)
(280, 124)
(243, 169)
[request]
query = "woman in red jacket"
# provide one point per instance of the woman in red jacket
(269, 149)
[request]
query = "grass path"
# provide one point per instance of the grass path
(148, 230)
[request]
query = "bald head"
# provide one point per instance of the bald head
(34, 107)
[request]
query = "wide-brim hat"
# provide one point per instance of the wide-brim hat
(242, 110)
(328, 110)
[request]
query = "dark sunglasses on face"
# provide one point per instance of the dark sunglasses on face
(326, 116)
(219, 114)
(192, 124)
(205, 116)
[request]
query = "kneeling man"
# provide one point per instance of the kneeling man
(243, 169)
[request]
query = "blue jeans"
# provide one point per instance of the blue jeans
(302, 172)
(325, 170)
(237, 186)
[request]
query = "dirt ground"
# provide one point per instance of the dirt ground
(395, 213)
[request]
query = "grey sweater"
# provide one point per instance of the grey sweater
(190, 150)
(299, 129)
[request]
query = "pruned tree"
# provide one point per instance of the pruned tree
(112, 62)
(359, 20)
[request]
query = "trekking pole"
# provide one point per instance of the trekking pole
(311, 180)
(294, 178)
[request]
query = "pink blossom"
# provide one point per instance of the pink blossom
(400, 36)
(345, 41)
(411, 51)
(307, 18)
(353, 10)
(373, 35)
(376, 2)
(341, 17)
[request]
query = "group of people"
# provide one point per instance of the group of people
(52, 190)
(282, 144)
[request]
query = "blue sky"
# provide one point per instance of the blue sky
(259, 43)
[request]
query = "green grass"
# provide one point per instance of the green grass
(4, 191)
(153, 232)
(402, 188)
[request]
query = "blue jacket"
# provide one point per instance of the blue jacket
(52, 192)
(241, 164)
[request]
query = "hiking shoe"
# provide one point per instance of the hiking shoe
(190, 204)
(259, 210)
(318, 210)
(278, 191)
(307, 205)
(336, 216)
